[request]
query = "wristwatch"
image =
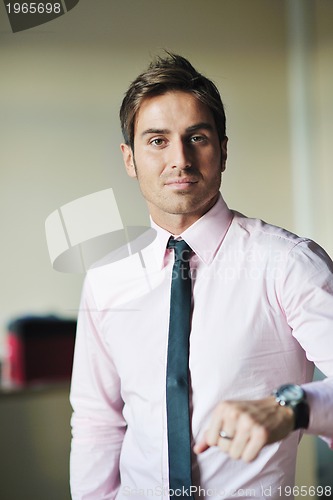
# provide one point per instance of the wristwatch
(294, 397)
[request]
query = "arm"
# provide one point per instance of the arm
(306, 295)
(98, 426)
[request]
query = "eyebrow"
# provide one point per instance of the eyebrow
(192, 128)
(198, 126)
(155, 131)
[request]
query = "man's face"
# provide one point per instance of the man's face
(178, 158)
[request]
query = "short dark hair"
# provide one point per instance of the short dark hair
(170, 73)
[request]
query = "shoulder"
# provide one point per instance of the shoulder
(277, 241)
(263, 231)
(258, 232)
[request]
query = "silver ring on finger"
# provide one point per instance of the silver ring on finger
(224, 435)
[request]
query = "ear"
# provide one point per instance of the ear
(128, 158)
(224, 153)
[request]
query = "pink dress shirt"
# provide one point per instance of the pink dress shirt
(262, 316)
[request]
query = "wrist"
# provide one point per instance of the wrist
(294, 398)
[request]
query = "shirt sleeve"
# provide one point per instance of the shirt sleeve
(98, 426)
(307, 297)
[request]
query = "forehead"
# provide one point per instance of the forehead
(174, 109)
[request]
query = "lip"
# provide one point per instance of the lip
(181, 182)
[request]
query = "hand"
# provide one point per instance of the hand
(251, 424)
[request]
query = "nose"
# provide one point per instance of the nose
(180, 156)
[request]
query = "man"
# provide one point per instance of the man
(261, 314)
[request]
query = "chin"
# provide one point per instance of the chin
(183, 208)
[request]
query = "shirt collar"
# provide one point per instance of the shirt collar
(204, 236)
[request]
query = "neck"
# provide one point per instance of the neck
(174, 225)
(177, 223)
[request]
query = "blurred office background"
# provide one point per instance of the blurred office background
(61, 87)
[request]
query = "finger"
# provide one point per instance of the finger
(200, 447)
(212, 434)
(225, 440)
(224, 420)
(257, 441)
(241, 437)
(227, 433)
(203, 445)
(238, 445)
(224, 444)
(224, 435)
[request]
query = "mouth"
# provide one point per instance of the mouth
(181, 183)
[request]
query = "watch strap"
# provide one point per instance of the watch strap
(298, 404)
(302, 415)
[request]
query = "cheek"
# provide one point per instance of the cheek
(213, 166)
(145, 173)
(149, 166)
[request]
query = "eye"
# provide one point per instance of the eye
(158, 141)
(197, 138)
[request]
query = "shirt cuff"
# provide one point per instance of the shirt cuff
(320, 398)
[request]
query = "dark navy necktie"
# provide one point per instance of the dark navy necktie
(177, 383)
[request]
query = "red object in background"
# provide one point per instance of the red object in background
(39, 350)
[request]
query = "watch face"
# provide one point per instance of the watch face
(294, 397)
(290, 393)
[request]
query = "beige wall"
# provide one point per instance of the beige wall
(35, 444)
(323, 106)
(61, 87)
(62, 84)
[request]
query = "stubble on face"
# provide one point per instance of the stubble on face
(177, 158)
(181, 202)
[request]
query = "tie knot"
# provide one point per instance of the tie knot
(181, 248)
